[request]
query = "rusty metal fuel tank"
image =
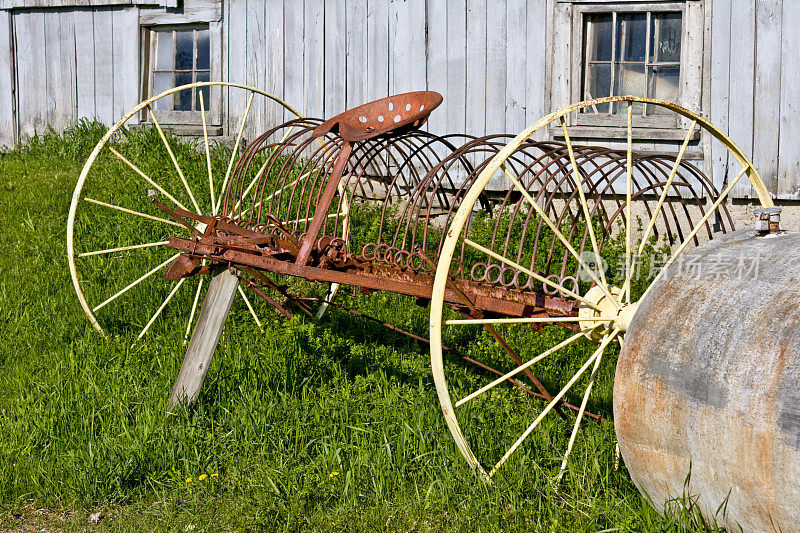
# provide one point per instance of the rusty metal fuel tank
(707, 388)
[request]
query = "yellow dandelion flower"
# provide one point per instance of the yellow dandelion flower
(214, 475)
(334, 473)
(188, 480)
(201, 477)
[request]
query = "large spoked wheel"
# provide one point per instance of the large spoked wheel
(625, 215)
(116, 233)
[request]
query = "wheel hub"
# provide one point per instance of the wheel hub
(604, 307)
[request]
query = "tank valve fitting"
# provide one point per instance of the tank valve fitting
(768, 220)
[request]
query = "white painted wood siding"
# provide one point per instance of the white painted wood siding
(70, 64)
(755, 45)
(343, 53)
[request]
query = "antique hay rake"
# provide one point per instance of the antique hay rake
(500, 232)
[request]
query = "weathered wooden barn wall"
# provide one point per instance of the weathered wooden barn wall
(488, 57)
(70, 63)
(755, 72)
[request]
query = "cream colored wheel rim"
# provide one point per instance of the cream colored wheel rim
(178, 189)
(613, 325)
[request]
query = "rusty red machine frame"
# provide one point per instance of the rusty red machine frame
(313, 174)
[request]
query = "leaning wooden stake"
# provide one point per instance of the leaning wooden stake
(217, 305)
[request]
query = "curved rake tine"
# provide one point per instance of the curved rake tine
(667, 185)
(561, 238)
(584, 205)
(699, 225)
(532, 274)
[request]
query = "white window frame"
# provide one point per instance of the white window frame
(150, 20)
(567, 87)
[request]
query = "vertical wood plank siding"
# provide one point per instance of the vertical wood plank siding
(754, 74)
(7, 126)
(489, 58)
(70, 64)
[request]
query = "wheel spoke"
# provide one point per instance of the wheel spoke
(532, 274)
(628, 223)
(520, 368)
(626, 289)
(161, 308)
(582, 410)
(208, 152)
(560, 237)
(174, 160)
(250, 308)
(582, 197)
(147, 178)
(528, 320)
(663, 197)
(696, 229)
(123, 248)
(132, 212)
(194, 308)
(553, 403)
(135, 283)
(235, 149)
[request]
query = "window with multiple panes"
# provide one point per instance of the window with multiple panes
(179, 56)
(628, 53)
(652, 49)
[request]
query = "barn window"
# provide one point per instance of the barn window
(631, 53)
(177, 55)
(651, 49)
(180, 57)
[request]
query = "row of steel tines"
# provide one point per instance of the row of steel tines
(414, 183)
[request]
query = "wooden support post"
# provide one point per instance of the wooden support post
(205, 337)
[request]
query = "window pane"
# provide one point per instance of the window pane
(598, 85)
(632, 36)
(184, 50)
(631, 79)
(666, 31)
(598, 37)
(202, 49)
(663, 86)
(183, 99)
(202, 76)
(164, 50)
(161, 82)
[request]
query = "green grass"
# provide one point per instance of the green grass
(328, 426)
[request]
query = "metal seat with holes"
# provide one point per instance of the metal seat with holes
(395, 114)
